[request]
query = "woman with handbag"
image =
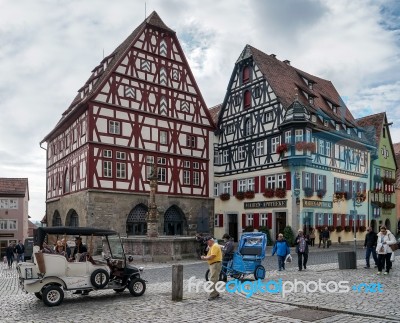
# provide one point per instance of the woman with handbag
(383, 249)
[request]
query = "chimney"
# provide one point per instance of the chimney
(287, 62)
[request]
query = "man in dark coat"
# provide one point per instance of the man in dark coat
(370, 245)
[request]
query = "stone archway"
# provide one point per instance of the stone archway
(72, 219)
(136, 221)
(174, 221)
(56, 222)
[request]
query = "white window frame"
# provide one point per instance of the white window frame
(216, 189)
(275, 142)
(241, 153)
(162, 174)
(120, 155)
(281, 181)
(270, 181)
(196, 179)
(263, 219)
(260, 148)
(186, 177)
(226, 187)
(114, 127)
(107, 153)
(242, 185)
(121, 170)
(107, 168)
(298, 135)
(163, 137)
(249, 219)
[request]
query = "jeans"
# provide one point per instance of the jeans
(20, 257)
(281, 262)
(302, 261)
(10, 260)
(382, 258)
(368, 255)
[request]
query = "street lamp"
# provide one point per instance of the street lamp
(358, 198)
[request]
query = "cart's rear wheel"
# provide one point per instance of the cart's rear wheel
(99, 278)
(259, 272)
(222, 276)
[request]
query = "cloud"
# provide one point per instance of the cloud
(47, 54)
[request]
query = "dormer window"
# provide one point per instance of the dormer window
(359, 134)
(246, 74)
(325, 123)
(314, 118)
(334, 109)
(310, 100)
(348, 131)
(337, 127)
(310, 85)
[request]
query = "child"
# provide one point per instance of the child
(281, 248)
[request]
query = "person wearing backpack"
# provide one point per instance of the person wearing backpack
(281, 249)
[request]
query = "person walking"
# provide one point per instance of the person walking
(214, 258)
(227, 250)
(302, 250)
(385, 240)
(281, 249)
(325, 237)
(312, 237)
(10, 255)
(371, 239)
(20, 250)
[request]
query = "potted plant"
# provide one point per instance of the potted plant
(361, 196)
(362, 228)
(239, 195)
(225, 196)
(301, 145)
(269, 192)
(347, 228)
(376, 203)
(331, 228)
(249, 194)
(280, 192)
(321, 193)
(311, 146)
(339, 228)
(282, 148)
(308, 191)
(388, 205)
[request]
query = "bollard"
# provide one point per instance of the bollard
(177, 282)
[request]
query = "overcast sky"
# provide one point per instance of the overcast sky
(49, 47)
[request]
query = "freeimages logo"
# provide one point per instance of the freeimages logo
(249, 288)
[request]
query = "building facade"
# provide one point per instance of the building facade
(140, 108)
(14, 205)
(288, 152)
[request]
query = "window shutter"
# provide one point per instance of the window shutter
(313, 181)
(343, 220)
(234, 187)
(334, 220)
(256, 220)
(247, 99)
(325, 219)
(288, 181)
(351, 221)
(324, 182)
(351, 188)
(303, 180)
(269, 221)
(246, 74)
(256, 184)
(262, 184)
(221, 220)
(243, 220)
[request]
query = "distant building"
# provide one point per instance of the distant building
(140, 107)
(14, 202)
(396, 148)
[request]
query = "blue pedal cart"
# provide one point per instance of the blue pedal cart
(247, 259)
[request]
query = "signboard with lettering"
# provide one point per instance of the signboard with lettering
(265, 204)
(318, 204)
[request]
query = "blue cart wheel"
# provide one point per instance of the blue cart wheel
(259, 272)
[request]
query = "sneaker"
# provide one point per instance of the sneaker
(299, 269)
(305, 267)
(379, 272)
(385, 273)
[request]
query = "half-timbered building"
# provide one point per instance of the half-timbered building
(382, 173)
(288, 152)
(140, 107)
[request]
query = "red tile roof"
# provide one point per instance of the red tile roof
(214, 112)
(153, 20)
(14, 187)
(284, 79)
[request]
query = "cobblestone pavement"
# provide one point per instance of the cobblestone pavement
(156, 305)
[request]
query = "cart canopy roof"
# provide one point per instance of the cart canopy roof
(77, 231)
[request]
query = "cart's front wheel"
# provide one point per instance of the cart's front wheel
(222, 276)
(137, 287)
(52, 295)
(259, 272)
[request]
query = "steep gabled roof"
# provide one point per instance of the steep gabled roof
(373, 125)
(284, 79)
(14, 187)
(102, 71)
(214, 112)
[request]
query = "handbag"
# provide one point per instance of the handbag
(394, 247)
(288, 258)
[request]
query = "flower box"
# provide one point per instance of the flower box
(347, 228)
(321, 193)
(249, 194)
(225, 196)
(361, 197)
(308, 191)
(269, 192)
(388, 205)
(376, 203)
(282, 148)
(312, 147)
(362, 228)
(301, 145)
(280, 192)
(331, 228)
(339, 228)
(239, 195)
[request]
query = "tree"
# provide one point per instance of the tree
(289, 235)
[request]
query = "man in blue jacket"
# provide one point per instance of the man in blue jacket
(281, 249)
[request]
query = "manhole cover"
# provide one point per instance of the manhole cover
(306, 314)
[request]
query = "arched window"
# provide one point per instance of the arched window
(136, 221)
(247, 99)
(72, 219)
(174, 221)
(56, 219)
(246, 74)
